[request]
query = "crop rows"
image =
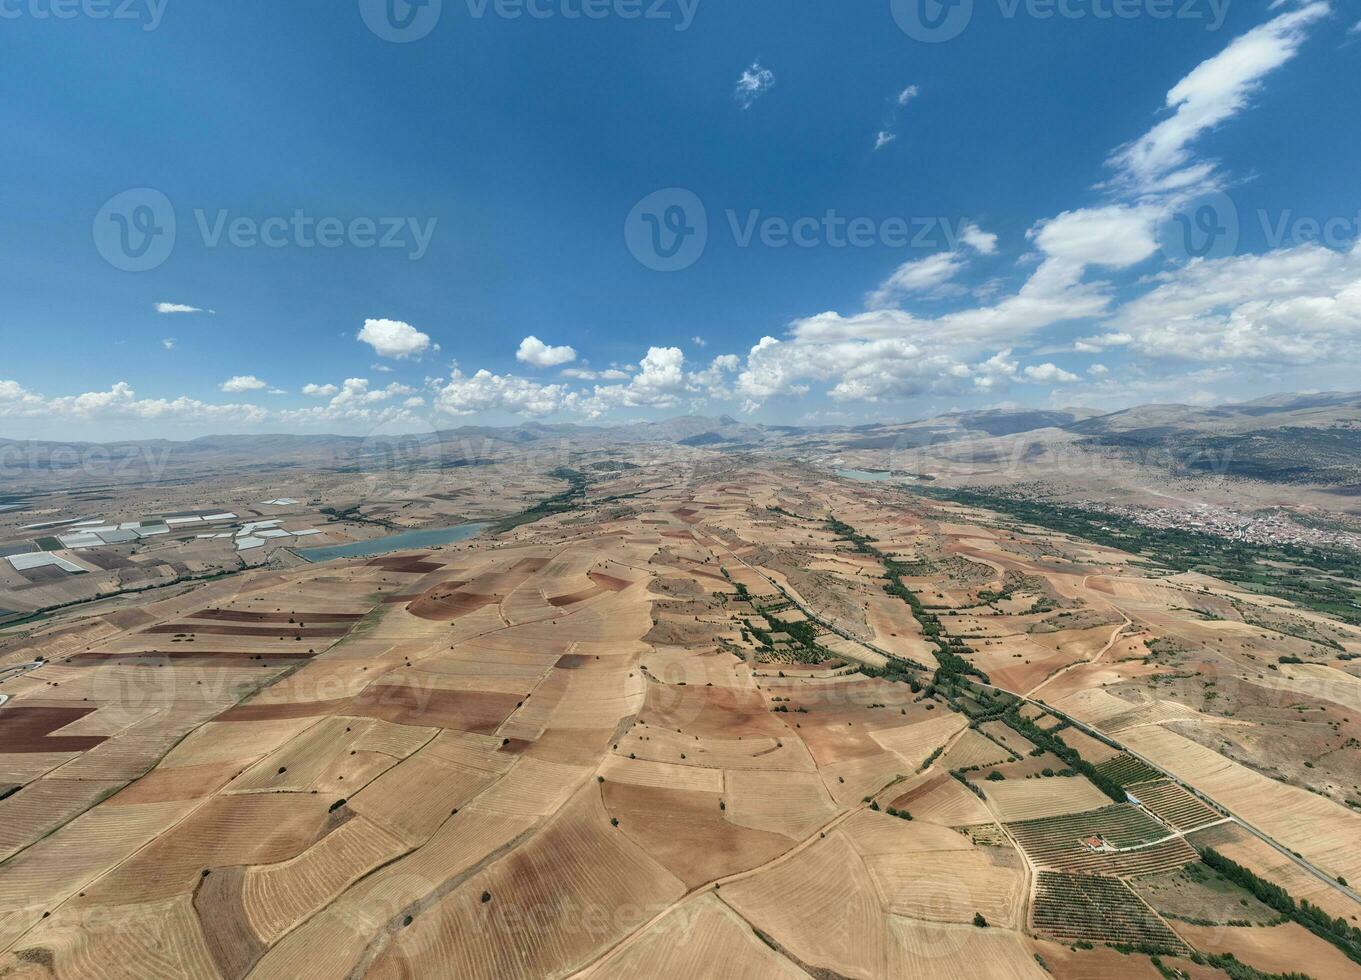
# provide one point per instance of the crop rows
(1072, 907)
(1127, 770)
(1179, 808)
(1060, 843)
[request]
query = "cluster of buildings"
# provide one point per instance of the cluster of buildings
(1269, 529)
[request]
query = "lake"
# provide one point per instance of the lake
(427, 538)
(868, 476)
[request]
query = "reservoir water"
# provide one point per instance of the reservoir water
(868, 476)
(426, 538)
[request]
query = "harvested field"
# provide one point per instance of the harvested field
(1031, 799)
(837, 924)
(926, 951)
(789, 803)
(1280, 949)
(974, 749)
(689, 833)
(578, 862)
(941, 799)
(560, 748)
(702, 939)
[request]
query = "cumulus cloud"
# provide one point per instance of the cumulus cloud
(395, 339)
(753, 83)
(356, 391)
(1116, 236)
(1048, 374)
(242, 382)
(488, 392)
(982, 242)
(1297, 305)
(535, 352)
(168, 343)
(120, 402)
(908, 94)
(319, 391)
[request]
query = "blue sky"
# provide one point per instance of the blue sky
(1078, 209)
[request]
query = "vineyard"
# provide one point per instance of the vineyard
(1127, 770)
(1071, 907)
(1061, 843)
(1177, 807)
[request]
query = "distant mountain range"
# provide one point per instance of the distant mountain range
(1288, 437)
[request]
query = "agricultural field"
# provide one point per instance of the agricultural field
(747, 721)
(1091, 908)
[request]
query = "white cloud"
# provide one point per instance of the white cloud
(356, 391)
(319, 391)
(1048, 374)
(699, 342)
(660, 381)
(1355, 28)
(982, 242)
(168, 343)
(586, 374)
(1298, 305)
(242, 382)
(395, 339)
(487, 392)
(1214, 91)
(929, 276)
(753, 83)
(534, 351)
(917, 276)
(118, 403)
(887, 135)
(179, 308)
(277, 391)
(1098, 370)
(1116, 236)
